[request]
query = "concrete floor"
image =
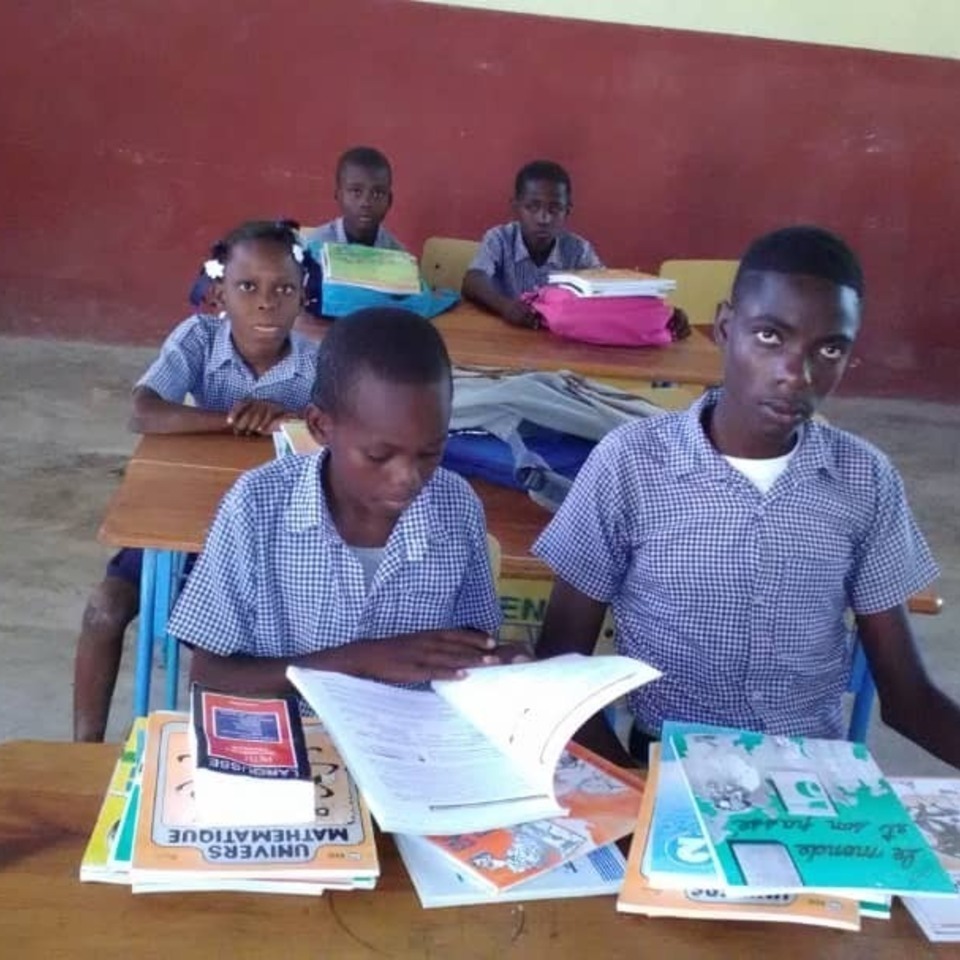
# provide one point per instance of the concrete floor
(63, 449)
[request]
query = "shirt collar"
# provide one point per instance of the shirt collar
(341, 233)
(521, 253)
(417, 526)
(694, 453)
(222, 352)
(299, 362)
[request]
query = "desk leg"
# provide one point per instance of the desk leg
(145, 627)
(171, 645)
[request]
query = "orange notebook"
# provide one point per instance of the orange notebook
(603, 800)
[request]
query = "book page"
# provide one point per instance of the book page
(422, 767)
(531, 710)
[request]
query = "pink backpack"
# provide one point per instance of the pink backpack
(612, 321)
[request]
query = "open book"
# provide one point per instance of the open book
(471, 754)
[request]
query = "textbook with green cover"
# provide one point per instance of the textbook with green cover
(792, 814)
(97, 864)
(371, 268)
(702, 899)
(678, 855)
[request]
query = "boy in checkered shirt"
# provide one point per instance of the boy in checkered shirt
(731, 540)
(366, 558)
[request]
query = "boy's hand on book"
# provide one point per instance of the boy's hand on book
(252, 416)
(678, 325)
(519, 313)
(418, 657)
(509, 653)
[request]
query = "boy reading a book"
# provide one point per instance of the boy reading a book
(517, 257)
(364, 193)
(732, 539)
(246, 372)
(366, 558)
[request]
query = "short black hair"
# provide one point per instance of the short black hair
(807, 250)
(369, 158)
(284, 233)
(393, 344)
(542, 170)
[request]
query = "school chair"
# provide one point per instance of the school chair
(445, 261)
(701, 286)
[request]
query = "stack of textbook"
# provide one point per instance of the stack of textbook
(738, 825)
(612, 283)
(488, 799)
(349, 265)
(148, 834)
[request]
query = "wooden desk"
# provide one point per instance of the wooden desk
(165, 506)
(477, 338)
(516, 521)
(49, 797)
(220, 450)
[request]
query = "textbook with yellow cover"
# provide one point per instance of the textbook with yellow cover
(704, 903)
(97, 865)
(337, 850)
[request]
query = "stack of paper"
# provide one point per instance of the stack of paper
(294, 436)
(934, 805)
(612, 283)
(539, 859)
(369, 268)
(158, 846)
(748, 826)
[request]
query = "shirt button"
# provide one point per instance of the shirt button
(756, 696)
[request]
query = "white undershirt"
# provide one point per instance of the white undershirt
(369, 559)
(763, 474)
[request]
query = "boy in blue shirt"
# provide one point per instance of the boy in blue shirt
(731, 540)
(246, 372)
(364, 193)
(516, 257)
(366, 558)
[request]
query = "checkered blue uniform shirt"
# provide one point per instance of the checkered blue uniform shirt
(740, 598)
(275, 579)
(199, 358)
(504, 258)
(334, 232)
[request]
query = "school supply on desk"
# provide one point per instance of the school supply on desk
(612, 283)
(249, 760)
(439, 884)
(678, 854)
(172, 851)
(794, 814)
(608, 307)
(700, 900)
(356, 277)
(934, 805)
(602, 800)
(369, 268)
(97, 865)
(472, 754)
(293, 436)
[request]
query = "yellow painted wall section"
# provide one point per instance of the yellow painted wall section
(924, 27)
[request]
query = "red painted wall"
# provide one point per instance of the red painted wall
(133, 133)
